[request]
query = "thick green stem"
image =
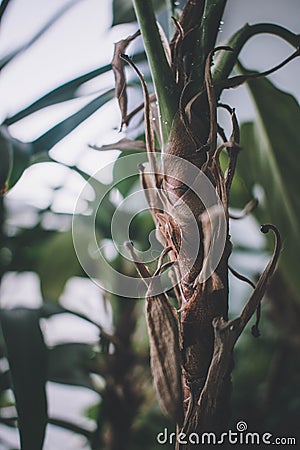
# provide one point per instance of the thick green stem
(163, 79)
(227, 60)
(210, 24)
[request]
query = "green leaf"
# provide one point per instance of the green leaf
(6, 153)
(271, 160)
(27, 356)
(62, 129)
(15, 158)
(166, 89)
(123, 10)
(210, 23)
(105, 213)
(65, 92)
(60, 94)
(123, 167)
(57, 264)
(70, 364)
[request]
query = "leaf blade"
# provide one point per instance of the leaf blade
(63, 128)
(27, 356)
(270, 160)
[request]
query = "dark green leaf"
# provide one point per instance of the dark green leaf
(50, 309)
(62, 129)
(271, 159)
(15, 158)
(66, 91)
(6, 152)
(70, 364)
(3, 7)
(60, 94)
(27, 356)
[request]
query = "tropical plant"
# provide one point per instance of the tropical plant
(190, 172)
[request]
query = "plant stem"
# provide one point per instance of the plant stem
(210, 23)
(163, 79)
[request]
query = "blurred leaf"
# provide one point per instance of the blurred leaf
(70, 364)
(123, 167)
(66, 91)
(50, 309)
(8, 58)
(6, 152)
(60, 94)
(57, 264)
(271, 160)
(59, 131)
(124, 144)
(105, 213)
(123, 10)
(27, 356)
(15, 158)
(3, 7)
(4, 381)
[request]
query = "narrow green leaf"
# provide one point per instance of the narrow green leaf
(270, 160)
(209, 29)
(27, 356)
(6, 153)
(60, 94)
(66, 91)
(163, 78)
(62, 129)
(15, 158)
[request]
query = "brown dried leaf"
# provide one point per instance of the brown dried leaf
(149, 131)
(165, 355)
(165, 344)
(122, 145)
(240, 79)
(165, 43)
(119, 73)
(262, 284)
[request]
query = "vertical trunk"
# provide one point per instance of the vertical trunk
(121, 397)
(202, 300)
